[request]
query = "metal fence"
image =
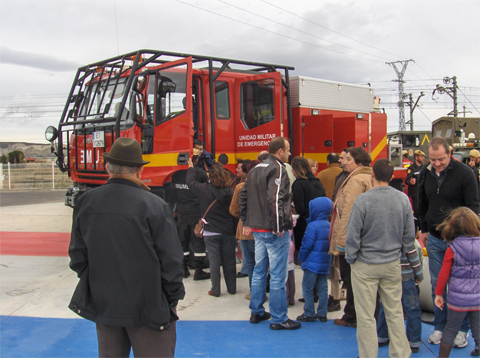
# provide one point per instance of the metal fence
(33, 176)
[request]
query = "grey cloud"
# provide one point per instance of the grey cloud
(35, 60)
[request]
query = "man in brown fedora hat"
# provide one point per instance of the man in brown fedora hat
(125, 249)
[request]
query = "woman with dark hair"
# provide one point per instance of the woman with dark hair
(219, 234)
(305, 188)
(357, 164)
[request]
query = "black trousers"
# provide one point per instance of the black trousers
(221, 252)
(145, 342)
(345, 272)
(186, 226)
(299, 231)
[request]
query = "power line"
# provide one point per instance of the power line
(276, 33)
(468, 100)
(326, 28)
(35, 96)
(303, 32)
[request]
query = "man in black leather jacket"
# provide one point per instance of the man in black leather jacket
(265, 204)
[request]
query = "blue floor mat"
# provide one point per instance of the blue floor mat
(47, 337)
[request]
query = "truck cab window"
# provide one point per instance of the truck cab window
(411, 141)
(222, 100)
(171, 93)
(151, 100)
(257, 102)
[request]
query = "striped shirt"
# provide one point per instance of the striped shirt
(412, 264)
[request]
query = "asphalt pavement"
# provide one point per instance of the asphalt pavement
(29, 197)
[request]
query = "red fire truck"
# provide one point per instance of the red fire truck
(166, 100)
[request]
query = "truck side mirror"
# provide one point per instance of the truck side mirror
(165, 86)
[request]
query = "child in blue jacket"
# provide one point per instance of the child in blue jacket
(315, 260)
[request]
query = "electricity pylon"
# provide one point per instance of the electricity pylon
(400, 104)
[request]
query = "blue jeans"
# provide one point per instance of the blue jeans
(308, 284)
(274, 249)
(436, 251)
(411, 306)
(248, 258)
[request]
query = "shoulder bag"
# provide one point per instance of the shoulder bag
(201, 223)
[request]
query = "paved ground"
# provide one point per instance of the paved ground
(28, 197)
(36, 286)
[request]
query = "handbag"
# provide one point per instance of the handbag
(201, 223)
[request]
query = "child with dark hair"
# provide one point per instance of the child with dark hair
(461, 270)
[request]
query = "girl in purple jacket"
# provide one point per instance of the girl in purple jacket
(461, 269)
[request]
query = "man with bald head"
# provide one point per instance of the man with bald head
(327, 176)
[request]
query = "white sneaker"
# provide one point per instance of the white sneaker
(460, 340)
(435, 337)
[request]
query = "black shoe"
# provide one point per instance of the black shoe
(256, 318)
(241, 274)
(334, 306)
(414, 349)
(186, 273)
(315, 300)
(289, 325)
(321, 319)
(386, 343)
(303, 318)
(201, 275)
(475, 352)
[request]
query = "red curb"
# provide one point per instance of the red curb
(34, 243)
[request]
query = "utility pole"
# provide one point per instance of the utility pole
(412, 106)
(451, 91)
(400, 104)
(464, 111)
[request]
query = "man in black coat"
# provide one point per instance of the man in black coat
(444, 185)
(475, 166)
(125, 250)
(413, 172)
(188, 214)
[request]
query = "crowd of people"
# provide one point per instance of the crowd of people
(345, 225)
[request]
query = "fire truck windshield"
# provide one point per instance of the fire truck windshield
(104, 101)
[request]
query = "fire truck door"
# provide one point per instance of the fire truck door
(344, 133)
(259, 113)
(173, 125)
(317, 137)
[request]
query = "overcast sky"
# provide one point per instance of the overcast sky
(44, 42)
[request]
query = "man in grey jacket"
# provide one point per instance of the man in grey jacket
(374, 250)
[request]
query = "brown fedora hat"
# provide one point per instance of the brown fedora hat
(126, 152)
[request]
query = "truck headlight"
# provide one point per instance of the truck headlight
(51, 133)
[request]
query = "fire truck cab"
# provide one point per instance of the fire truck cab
(166, 100)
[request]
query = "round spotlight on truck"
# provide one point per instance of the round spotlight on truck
(51, 133)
